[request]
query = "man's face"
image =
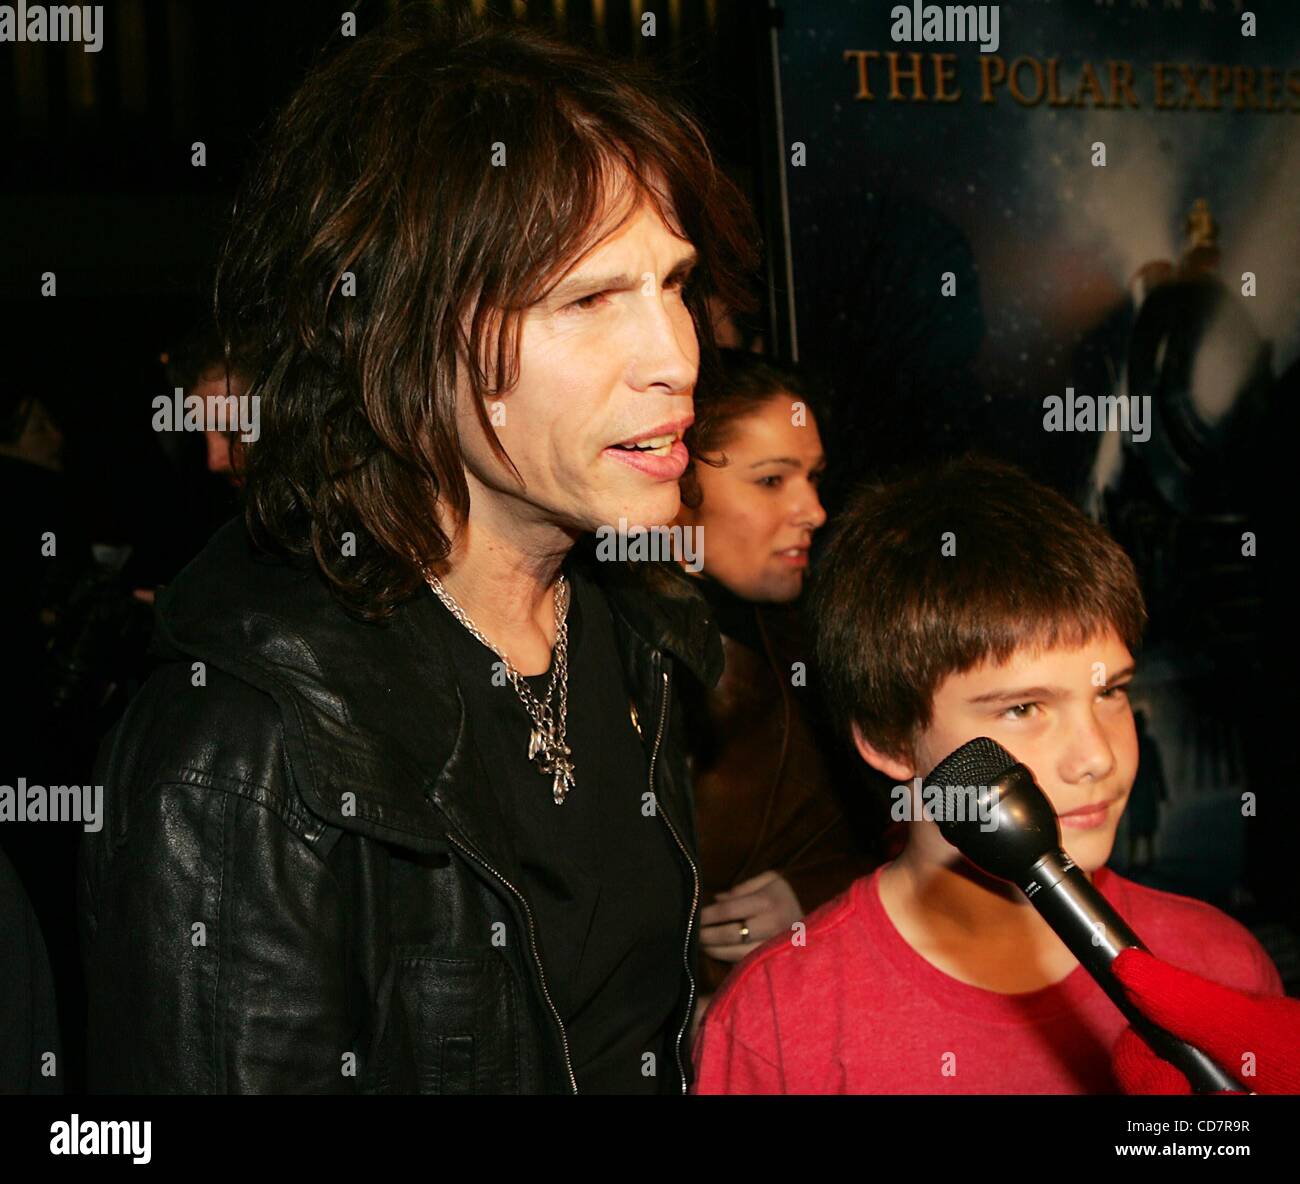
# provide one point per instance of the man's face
(223, 447)
(759, 509)
(608, 359)
(1065, 714)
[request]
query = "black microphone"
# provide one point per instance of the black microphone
(995, 814)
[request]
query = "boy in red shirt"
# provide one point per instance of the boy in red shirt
(960, 603)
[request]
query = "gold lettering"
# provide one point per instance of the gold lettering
(1090, 83)
(1016, 93)
(1220, 82)
(1244, 88)
(896, 75)
(993, 72)
(1193, 98)
(863, 56)
(1121, 79)
(1054, 96)
(1161, 103)
(945, 71)
(1272, 84)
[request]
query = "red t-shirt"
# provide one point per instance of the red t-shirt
(855, 1010)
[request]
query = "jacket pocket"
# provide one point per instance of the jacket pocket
(450, 1026)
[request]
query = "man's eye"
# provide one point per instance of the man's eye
(1020, 711)
(586, 303)
(1119, 692)
(772, 482)
(817, 476)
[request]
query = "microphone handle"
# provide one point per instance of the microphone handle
(1096, 935)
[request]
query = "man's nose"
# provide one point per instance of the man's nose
(667, 345)
(218, 452)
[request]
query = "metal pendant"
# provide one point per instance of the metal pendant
(563, 782)
(536, 744)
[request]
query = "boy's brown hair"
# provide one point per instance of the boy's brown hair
(438, 172)
(895, 615)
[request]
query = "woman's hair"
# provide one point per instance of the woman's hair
(744, 384)
(421, 190)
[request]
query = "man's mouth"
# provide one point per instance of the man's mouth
(655, 445)
(657, 453)
(657, 441)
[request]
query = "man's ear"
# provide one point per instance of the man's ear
(892, 766)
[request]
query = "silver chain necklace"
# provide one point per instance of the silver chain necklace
(546, 742)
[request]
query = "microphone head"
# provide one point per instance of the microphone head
(993, 811)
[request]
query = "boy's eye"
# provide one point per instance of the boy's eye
(1020, 711)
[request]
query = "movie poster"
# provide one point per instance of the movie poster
(1067, 232)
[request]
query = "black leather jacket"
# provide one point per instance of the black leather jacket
(300, 884)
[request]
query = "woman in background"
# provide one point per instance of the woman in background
(774, 840)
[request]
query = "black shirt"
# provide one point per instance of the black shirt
(737, 618)
(604, 880)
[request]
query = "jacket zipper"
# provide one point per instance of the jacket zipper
(695, 878)
(532, 941)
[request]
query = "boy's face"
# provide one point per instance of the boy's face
(610, 357)
(1065, 714)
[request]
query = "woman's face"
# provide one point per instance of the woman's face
(760, 507)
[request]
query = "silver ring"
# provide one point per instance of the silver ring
(744, 931)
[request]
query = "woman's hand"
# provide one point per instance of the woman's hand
(765, 904)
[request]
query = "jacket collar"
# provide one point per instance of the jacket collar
(374, 723)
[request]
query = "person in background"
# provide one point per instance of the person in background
(46, 555)
(30, 1051)
(775, 842)
(198, 367)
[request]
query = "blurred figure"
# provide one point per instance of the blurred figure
(197, 366)
(29, 434)
(43, 549)
(46, 556)
(1148, 792)
(774, 839)
(29, 1029)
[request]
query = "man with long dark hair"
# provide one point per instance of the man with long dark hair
(405, 807)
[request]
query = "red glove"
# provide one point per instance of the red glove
(1256, 1038)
